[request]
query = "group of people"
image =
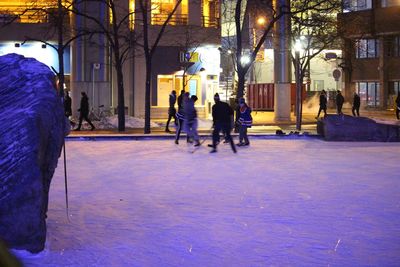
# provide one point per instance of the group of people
(223, 120)
(339, 104)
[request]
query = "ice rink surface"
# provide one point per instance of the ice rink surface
(275, 203)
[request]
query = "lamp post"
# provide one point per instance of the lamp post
(298, 109)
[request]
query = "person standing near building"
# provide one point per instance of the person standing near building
(84, 111)
(191, 120)
(222, 119)
(68, 107)
(356, 105)
(322, 103)
(171, 110)
(339, 102)
(245, 121)
(398, 106)
(183, 97)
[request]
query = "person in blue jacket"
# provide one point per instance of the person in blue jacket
(245, 121)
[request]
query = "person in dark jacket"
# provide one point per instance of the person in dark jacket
(183, 97)
(171, 110)
(245, 121)
(191, 120)
(67, 105)
(84, 111)
(356, 105)
(322, 103)
(223, 121)
(398, 105)
(339, 102)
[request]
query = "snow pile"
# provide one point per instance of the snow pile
(275, 203)
(130, 122)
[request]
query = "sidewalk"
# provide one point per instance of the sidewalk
(263, 125)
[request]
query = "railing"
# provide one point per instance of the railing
(27, 15)
(159, 19)
(210, 22)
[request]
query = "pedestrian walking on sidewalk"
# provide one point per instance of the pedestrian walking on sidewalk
(222, 121)
(191, 120)
(322, 103)
(339, 102)
(171, 110)
(245, 121)
(84, 111)
(398, 106)
(183, 97)
(356, 105)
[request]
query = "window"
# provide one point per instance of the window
(160, 10)
(27, 11)
(210, 13)
(357, 5)
(369, 93)
(367, 48)
(318, 85)
(389, 3)
(397, 87)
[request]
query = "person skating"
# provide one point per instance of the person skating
(356, 105)
(339, 102)
(222, 119)
(398, 106)
(191, 120)
(171, 110)
(322, 103)
(245, 121)
(183, 97)
(84, 111)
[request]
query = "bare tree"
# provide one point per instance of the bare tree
(312, 32)
(119, 37)
(149, 49)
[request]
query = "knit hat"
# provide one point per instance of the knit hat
(241, 100)
(216, 96)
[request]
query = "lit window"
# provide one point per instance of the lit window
(161, 9)
(27, 11)
(210, 13)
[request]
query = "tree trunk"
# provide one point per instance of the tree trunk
(147, 97)
(241, 81)
(121, 100)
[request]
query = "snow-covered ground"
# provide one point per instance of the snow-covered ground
(275, 203)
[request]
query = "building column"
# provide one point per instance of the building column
(383, 79)
(282, 64)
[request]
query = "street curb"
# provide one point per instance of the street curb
(172, 137)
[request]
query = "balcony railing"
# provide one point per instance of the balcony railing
(211, 22)
(28, 15)
(159, 19)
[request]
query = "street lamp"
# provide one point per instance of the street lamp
(297, 48)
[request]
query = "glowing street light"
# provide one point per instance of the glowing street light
(261, 21)
(244, 60)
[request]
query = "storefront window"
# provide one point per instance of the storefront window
(369, 93)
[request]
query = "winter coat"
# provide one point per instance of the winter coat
(84, 107)
(172, 100)
(398, 101)
(245, 118)
(339, 99)
(322, 101)
(356, 101)
(189, 110)
(221, 112)
(67, 106)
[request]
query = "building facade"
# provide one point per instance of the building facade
(187, 57)
(371, 50)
